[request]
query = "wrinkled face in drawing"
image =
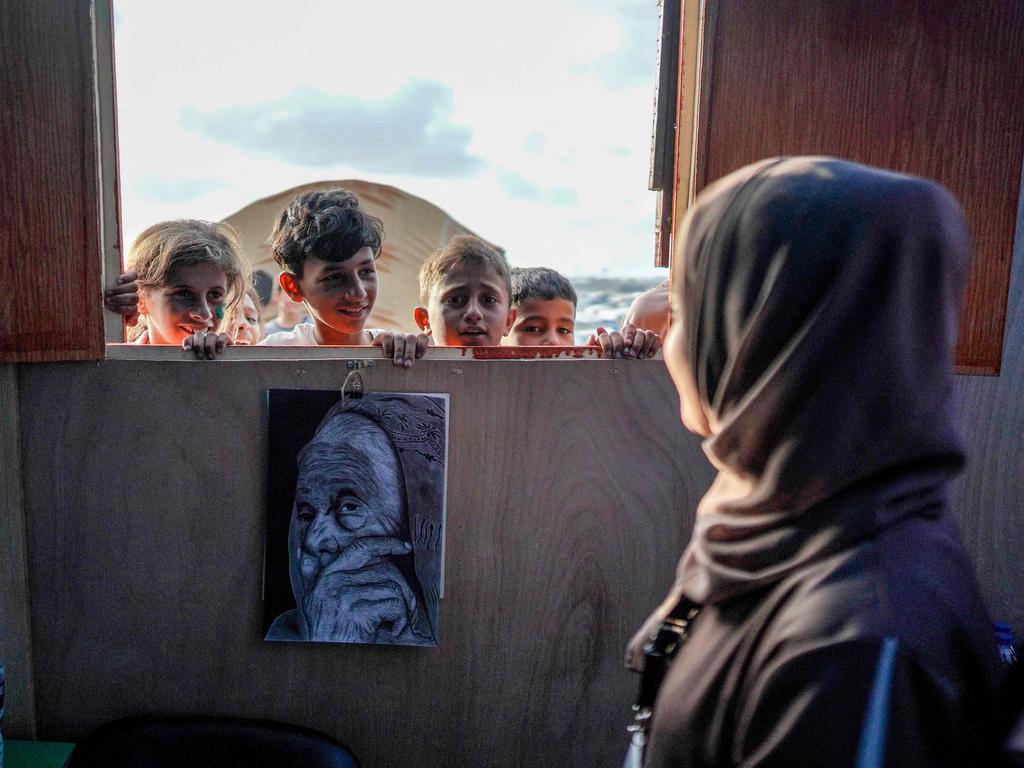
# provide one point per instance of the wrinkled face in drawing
(348, 521)
(348, 488)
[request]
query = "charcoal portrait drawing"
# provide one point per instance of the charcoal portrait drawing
(355, 504)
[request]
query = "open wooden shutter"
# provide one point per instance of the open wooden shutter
(50, 259)
(928, 88)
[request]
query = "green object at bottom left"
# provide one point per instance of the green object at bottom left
(36, 754)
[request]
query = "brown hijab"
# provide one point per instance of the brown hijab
(819, 309)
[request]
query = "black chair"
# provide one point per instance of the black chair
(187, 741)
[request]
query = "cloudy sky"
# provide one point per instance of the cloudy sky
(528, 122)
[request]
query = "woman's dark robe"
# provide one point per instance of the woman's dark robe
(842, 625)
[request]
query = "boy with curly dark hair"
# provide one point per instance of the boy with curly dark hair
(327, 246)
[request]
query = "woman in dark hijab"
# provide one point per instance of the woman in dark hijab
(814, 323)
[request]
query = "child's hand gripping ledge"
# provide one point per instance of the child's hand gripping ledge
(630, 342)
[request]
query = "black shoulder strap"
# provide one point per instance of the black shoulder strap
(661, 648)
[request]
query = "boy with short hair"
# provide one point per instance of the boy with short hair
(327, 246)
(545, 306)
(466, 291)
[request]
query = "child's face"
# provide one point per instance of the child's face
(339, 295)
(246, 328)
(191, 300)
(469, 307)
(544, 323)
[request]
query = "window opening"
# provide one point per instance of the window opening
(541, 147)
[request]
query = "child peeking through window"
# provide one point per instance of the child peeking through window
(545, 306)
(183, 277)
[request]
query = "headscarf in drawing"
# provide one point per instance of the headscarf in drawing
(820, 302)
(415, 426)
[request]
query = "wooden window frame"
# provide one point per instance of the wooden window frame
(113, 251)
(981, 322)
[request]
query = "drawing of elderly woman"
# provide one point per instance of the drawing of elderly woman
(365, 530)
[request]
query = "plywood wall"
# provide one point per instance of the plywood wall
(15, 628)
(570, 484)
(989, 500)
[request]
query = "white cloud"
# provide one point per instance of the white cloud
(402, 133)
(179, 189)
(275, 89)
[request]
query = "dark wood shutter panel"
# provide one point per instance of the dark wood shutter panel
(933, 89)
(50, 259)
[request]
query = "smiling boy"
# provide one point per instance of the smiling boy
(466, 290)
(327, 247)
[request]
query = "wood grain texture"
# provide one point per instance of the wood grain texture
(568, 506)
(15, 629)
(690, 56)
(989, 496)
(664, 141)
(932, 89)
(570, 485)
(107, 144)
(50, 263)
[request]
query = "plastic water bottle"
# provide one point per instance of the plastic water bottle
(1004, 638)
